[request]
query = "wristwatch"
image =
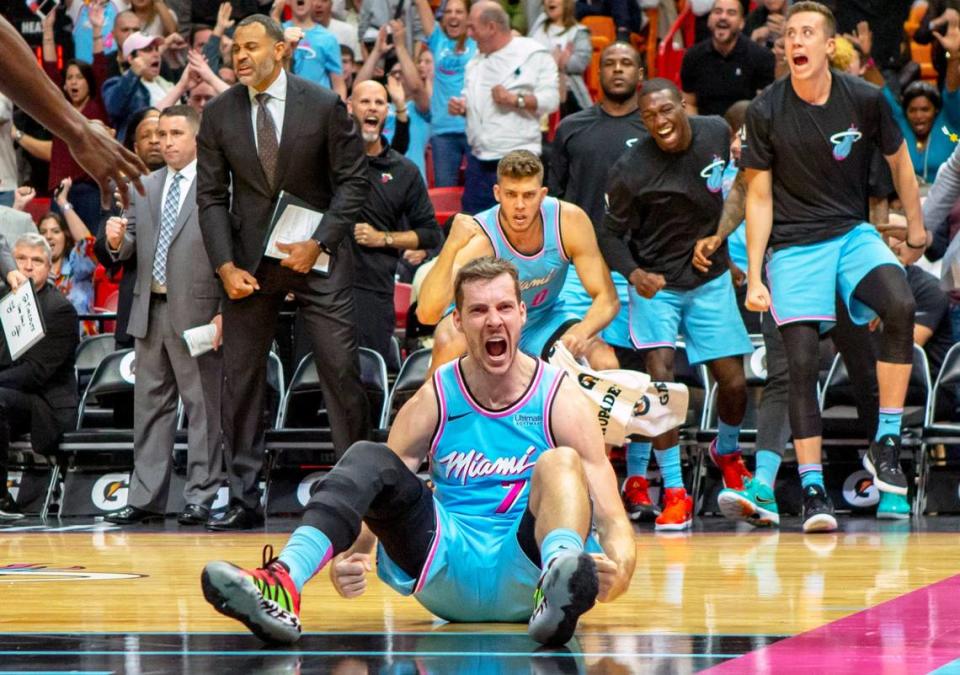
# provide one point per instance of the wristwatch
(388, 239)
(521, 102)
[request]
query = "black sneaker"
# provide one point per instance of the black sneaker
(9, 509)
(883, 462)
(817, 510)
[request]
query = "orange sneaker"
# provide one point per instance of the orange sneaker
(636, 499)
(731, 465)
(677, 510)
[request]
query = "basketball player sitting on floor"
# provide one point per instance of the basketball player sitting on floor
(518, 463)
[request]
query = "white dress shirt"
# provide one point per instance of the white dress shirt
(523, 66)
(276, 105)
(189, 173)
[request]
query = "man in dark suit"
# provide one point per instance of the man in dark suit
(175, 290)
(276, 132)
(38, 391)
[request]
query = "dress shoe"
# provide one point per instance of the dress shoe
(194, 514)
(129, 515)
(9, 509)
(236, 518)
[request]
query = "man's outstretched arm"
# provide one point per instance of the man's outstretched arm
(25, 83)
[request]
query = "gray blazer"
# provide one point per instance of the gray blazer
(942, 196)
(193, 290)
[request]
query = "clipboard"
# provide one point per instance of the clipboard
(21, 320)
(294, 220)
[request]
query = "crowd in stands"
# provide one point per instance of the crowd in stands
(464, 88)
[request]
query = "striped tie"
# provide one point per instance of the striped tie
(168, 218)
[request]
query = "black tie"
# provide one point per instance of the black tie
(267, 146)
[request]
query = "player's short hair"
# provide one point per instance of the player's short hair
(736, 114)
(520, 164)
(272, 28)
(483, 269)
(829, 22)
(34, 240)
(193, 117)
(660, 84)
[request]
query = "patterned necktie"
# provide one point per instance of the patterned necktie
(168, 218)
(267, 145)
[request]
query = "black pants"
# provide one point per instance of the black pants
(15, 412)
(371, 484)
(249, 326)
(377, 322)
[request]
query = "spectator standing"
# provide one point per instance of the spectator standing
(126, 24)
(727, 68)
(141, 86)
(926, 32)
(81, 84)
(84, 30)
(316, 55)
(452, 49)
(38, 391)
(929, 120)
(73, 260)
(411, 83)
(510, 83)
(345, 33)
(396, 217)
(556, 28)
(176, 291)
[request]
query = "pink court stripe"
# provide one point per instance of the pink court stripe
(425, 572)
(914, 633)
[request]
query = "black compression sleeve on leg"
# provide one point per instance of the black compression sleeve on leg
(885, 290)
(802, 343)
(369, 479)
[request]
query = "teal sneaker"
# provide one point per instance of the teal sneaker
(893, 506)
(754, 504)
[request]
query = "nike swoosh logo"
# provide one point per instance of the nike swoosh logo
(764, 500)
(451, 418)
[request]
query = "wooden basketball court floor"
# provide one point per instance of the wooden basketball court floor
(88, 597)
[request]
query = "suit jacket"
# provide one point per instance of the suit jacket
(46, 371)
(193, 291)
(321, 160)
(127, 281)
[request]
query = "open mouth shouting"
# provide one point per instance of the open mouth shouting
(496, 348)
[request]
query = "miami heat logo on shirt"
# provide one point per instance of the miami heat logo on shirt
(462, 466)
(713, 172)
(843, 142)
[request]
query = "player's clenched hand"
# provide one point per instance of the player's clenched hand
(463, 229)
(574, 341)
(647, 284)
(613, 581)
(758, 298)
(702, 250)
(349, 574)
